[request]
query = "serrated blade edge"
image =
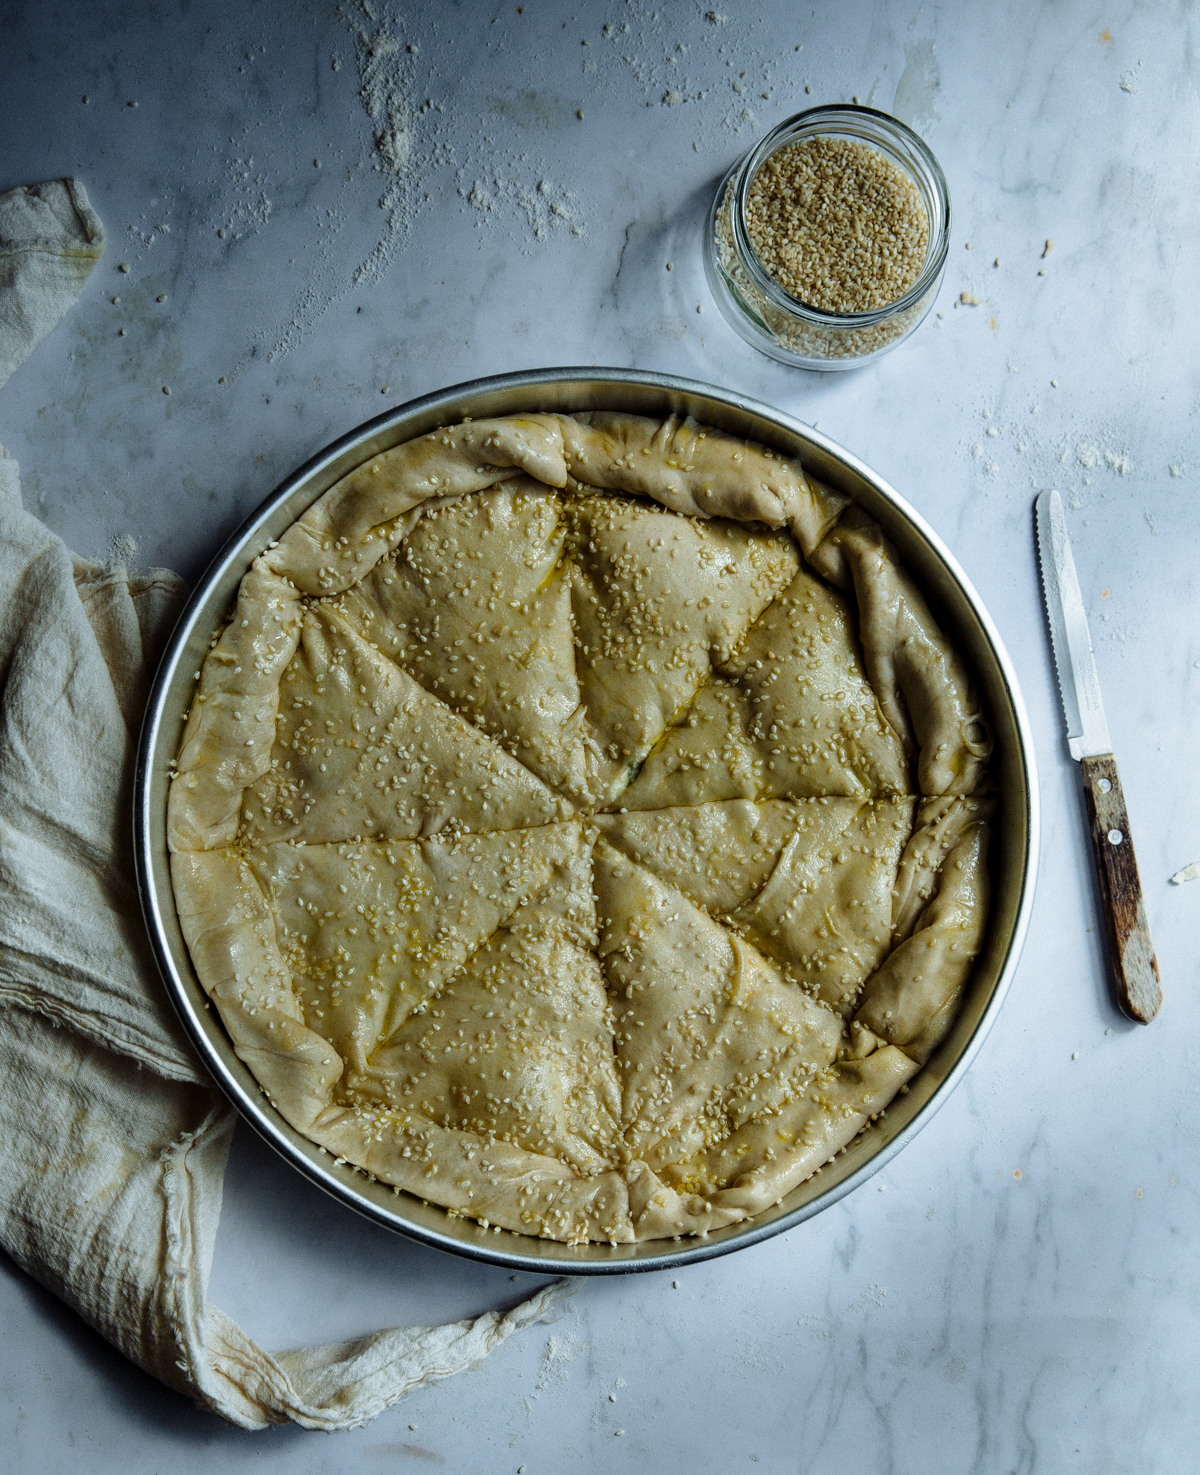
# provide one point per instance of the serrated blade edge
(1078, 683)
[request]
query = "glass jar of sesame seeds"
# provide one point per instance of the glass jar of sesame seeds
(826, 244)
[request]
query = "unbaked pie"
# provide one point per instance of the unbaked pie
(581, 824)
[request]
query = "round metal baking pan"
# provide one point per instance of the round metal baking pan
(955, 605)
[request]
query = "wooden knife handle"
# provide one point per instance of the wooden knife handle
(1130, 948)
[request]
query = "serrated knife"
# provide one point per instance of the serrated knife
(1131, 957)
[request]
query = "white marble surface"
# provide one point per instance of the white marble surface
(1018, 1291)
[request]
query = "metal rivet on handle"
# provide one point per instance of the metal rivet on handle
(1105, 788)
(1115, 837)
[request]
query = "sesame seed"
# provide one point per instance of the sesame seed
(837, 224)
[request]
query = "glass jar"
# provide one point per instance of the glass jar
(767, 315)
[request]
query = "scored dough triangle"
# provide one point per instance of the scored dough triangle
(385, 756)
(703, 757)
(371, 931)
(790, 714)
(825, 914)
(811, 882)
(476, 606)
(814, 716)
(657, 598)
(708, 1033)
(719, 855)
(518, 1045)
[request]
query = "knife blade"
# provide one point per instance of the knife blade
(1130, 949)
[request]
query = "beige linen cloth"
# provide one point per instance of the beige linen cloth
(113, 1139)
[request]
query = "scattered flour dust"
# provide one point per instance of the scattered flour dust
(122, 549)
(1089, 455)
(243, 207)
(250, 207)
(1087, 460)
(149, 238)
(874, 1295)
(677, 62)
(557, 1356)
(702, 65)
(544, 206)
(1071, 458)
(387, 78)
(696, 62)
(490, 185)
(410, 139)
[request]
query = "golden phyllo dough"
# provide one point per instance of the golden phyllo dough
(582, 824)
